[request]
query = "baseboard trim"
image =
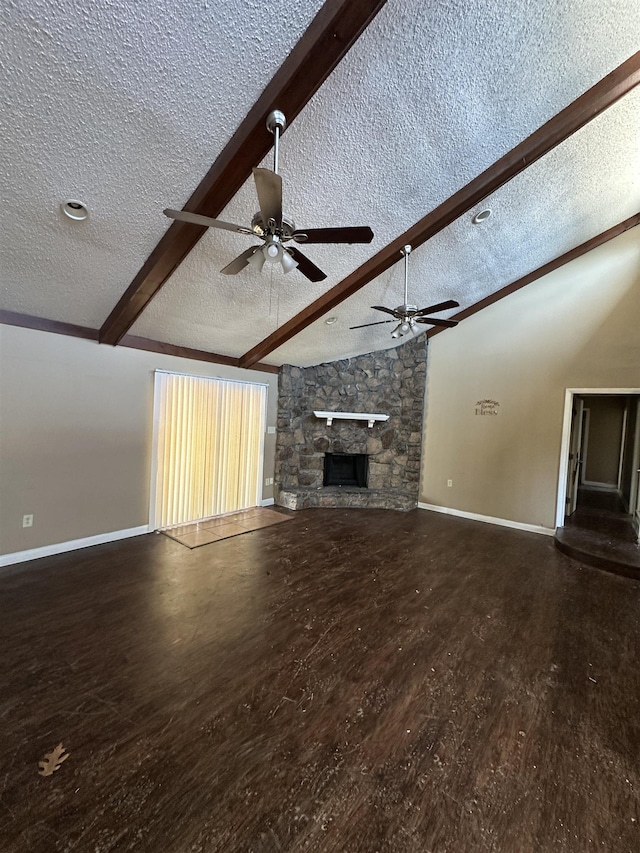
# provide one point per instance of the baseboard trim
(71, 545)
(267, 502)
(489, 519)
(602, 487)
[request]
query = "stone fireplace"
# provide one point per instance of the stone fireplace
(388, 383)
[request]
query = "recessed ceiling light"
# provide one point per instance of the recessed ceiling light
(331, 320)
(75, 209)
(482, 216)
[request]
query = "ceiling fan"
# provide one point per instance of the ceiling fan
(410, 315)
(272, 226)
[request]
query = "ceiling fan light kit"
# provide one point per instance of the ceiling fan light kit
(288, 263)
(257, 260)
(272, 226)
(408, 316)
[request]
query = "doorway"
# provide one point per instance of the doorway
(600, 459)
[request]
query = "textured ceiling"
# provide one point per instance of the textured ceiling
(126, 107)
(123, 105)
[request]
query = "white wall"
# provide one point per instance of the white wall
(578, 327)
(76, 422)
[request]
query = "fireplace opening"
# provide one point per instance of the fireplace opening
(346, 469)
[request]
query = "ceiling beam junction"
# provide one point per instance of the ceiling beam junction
(329, 37)
(57, 327)
(555, 131)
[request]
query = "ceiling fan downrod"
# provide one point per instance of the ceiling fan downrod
(406, 251)
(276, 123)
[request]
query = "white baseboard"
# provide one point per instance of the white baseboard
(72, 545)
(501, 522)
(267, 502)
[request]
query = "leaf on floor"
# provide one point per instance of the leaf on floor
(52, 760)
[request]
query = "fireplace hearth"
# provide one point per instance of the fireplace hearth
(346, 469)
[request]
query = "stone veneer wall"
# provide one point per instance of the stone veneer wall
(387, 382)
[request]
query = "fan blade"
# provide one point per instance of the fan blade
(379, 323)
(306, 267)
(362, 234)
(207, 221)
(441, 306)
(240, 262)
(435, 322)
(386, 311)
(269, 190)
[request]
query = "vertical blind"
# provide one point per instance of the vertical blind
(208, 447)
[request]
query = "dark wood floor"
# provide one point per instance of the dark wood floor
(354, 680)
(600, 533)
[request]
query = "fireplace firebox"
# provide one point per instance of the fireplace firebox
(346, 469)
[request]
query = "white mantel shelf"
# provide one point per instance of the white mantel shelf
(352, 416)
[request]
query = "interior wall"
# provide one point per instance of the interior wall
(76, 424)
(575, 328)
(604, 446)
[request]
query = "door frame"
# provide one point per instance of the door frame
(566, 439)
(574, 462)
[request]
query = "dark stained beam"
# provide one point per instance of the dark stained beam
(590, 104)
(331, 34)
(40, 324)
(150, 345)
(555, 264)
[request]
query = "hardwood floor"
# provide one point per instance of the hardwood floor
(601, 534)
(354, 680)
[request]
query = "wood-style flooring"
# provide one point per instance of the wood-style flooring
(354, 680)
(601, 534)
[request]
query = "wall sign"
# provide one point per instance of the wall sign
(487, 407)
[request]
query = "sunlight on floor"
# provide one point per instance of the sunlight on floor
(214, 529)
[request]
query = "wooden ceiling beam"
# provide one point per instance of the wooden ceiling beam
(57, 327)
(581, 111)
(545, 269)
(41, 324)
(329, 37)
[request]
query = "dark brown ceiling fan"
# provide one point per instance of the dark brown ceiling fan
(272, 226)
(408, 316)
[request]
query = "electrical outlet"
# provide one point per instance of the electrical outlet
(27, 520)
(449, 483)
(269, 481)
(271, 430)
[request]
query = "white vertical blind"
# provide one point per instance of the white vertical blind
(208, 447)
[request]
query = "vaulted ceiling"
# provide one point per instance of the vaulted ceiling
(126, 107)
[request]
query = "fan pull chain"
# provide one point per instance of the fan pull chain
(270, 292)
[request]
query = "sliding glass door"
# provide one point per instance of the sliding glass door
(208, 447)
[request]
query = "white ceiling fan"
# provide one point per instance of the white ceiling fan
(408, 316)
(272, 226)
